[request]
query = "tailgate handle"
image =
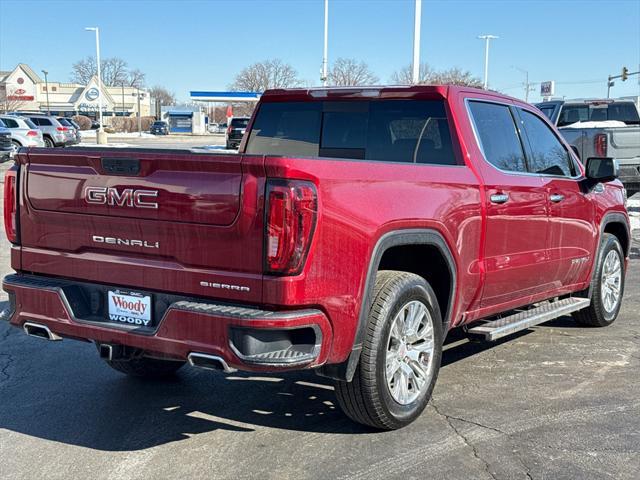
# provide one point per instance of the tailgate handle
(121, 166)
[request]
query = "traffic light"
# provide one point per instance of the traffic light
(625, 73)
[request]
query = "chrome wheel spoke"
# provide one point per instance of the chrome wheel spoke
(611, 281)
(410, 347)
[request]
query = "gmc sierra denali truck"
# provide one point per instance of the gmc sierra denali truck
(352, 231)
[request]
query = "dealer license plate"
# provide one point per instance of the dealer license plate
(129, 308)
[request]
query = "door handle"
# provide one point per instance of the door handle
(556, 197)
(499, 198)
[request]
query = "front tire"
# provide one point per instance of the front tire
(400, 356)
(144, 367)
(607, 286)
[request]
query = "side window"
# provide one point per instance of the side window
(548, 155)
(499, 137)
(45, 122)
(36, 120)
(10, 123)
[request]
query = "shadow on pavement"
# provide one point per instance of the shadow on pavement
(62, 392)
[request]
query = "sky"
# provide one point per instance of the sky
(187, 45)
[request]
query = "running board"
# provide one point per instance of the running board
(494, 329)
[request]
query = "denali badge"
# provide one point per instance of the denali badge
(125, 241)
(225, 286)
(126, 198)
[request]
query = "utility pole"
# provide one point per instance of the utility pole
(325, 54)
(122, 85)
(527, 85)
(487, 39)
(415, 73)
(46, 87)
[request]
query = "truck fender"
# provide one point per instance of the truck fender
(416, 236)
(611, 217)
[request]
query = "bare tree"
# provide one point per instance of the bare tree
(136, 78)
(404, 76)
(8, 102)
(350, 72)
(162, 95)
(262, 76)
(451, 76)
(114, 71)
(456, 76)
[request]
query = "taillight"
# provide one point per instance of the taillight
(292, 207)
(600, 144)
(11, 204)
(62, 129)
(32, 133)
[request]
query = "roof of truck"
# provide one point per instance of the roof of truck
(384, 91)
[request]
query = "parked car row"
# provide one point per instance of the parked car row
(39, 130)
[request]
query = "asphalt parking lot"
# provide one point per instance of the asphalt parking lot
(555, 402)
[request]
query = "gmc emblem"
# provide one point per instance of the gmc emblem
(125, 198)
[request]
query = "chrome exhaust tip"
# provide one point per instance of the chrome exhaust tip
(209, 362)
(40, 331)
(105, 351)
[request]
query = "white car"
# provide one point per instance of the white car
(24, 133)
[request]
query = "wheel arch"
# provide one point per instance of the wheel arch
(390, 253)
(615, 223)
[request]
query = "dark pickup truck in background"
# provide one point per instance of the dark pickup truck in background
(352, 231)
(602, 128)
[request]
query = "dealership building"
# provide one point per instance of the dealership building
(22, 89)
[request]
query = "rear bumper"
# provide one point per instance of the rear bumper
(245, 338)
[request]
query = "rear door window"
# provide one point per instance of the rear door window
(498, 135)
(415, 131)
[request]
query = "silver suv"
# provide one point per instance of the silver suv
(54, 133)
(24, 133)
(73, 127)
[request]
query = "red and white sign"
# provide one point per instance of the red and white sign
(26, 98)
(20, 91)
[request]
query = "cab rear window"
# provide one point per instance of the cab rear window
(412, 131)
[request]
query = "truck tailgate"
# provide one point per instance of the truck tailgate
(624, 143)
(174, 221)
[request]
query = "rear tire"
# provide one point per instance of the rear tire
(144, 367)
(16, 144)
(607, 286)
(400, 356)
(48, 143)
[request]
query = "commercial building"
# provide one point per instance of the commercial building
(22, 89)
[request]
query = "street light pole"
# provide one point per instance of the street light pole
(97, 30)
(46, 86)
(139, 117)
(487, 39)
(415, 74)
(325, 53)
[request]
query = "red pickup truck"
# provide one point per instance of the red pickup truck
(352, 231)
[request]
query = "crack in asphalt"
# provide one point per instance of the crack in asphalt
(5, 368)
(474, 449)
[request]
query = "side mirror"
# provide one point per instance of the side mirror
(601, 170)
